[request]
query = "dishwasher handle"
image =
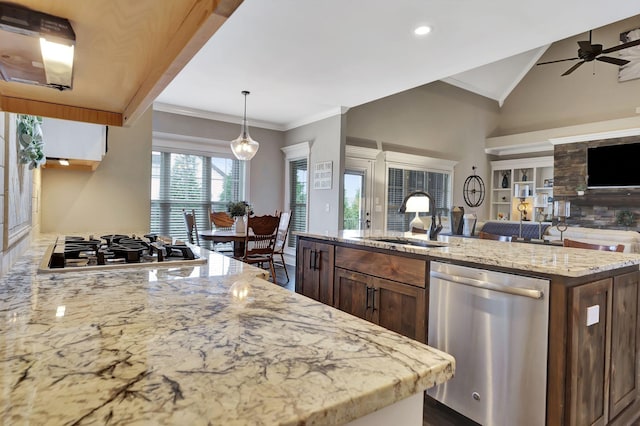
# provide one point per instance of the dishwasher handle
(518, 291)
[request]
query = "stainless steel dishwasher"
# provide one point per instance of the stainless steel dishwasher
(496, 326)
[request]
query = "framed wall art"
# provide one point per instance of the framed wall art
(631, 70)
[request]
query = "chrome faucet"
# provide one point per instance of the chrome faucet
(434, 229)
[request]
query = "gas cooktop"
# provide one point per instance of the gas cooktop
(72, 253)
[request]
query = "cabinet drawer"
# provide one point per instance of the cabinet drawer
(396, 268)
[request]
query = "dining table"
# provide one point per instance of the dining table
(226, 236)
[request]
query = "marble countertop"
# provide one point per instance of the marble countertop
(536, 258)
(205, 344)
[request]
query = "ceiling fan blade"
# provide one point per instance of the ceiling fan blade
(622, 46)
(610, 60)
(585, 46)
(559, 60)
(573, 68)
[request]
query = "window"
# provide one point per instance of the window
(416, 173)
(186, 181)
(296, 189)
(298, 196)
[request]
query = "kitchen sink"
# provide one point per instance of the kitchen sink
(408, 241)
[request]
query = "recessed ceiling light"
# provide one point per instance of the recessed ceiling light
(422, 30)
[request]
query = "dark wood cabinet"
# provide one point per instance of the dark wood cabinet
(395, 306)
(389, 290)
(602, 349)
(314, 270)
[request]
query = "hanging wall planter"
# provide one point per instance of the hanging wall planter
(30, 139)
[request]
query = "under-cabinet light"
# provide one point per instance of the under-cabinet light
(63, 162)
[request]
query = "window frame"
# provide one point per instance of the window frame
(397, 160)
(295, 152)
(190, 145)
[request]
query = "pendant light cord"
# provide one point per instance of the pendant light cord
(244, 121)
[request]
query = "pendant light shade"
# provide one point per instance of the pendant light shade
(243, 147)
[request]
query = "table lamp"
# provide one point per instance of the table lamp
(418, 205)
(562, 210)
(540, 203)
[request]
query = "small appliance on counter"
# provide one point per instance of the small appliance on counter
(73, 253)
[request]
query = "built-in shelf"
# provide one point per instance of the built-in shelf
(81, 165)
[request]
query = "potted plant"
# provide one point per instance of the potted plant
(580, 188)
(238, 210)
(30, 139)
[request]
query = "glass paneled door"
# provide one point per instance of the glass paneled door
(357, 194)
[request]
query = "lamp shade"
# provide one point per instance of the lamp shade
(540, 201)
(562, 208)
(243, 147)
(418, 204)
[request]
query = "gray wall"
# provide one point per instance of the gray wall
(266, 173)
(546, 100)
(436, 120)
(113, 198)
(327, 144)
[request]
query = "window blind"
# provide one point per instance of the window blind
(298, 197)
(402, 182)
(191, 182)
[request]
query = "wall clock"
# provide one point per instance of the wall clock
(473, 190)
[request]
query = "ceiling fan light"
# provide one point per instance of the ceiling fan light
(244, 147)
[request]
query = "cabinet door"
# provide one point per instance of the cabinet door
(324, 270)
(589, 328)
(624, 343)
(306, 274)
(400, 307)
(351, 293)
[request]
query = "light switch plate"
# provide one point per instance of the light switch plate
(593, 315)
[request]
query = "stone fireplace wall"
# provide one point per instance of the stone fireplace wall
(597, 208)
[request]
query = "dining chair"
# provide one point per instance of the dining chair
(221, 221)
(281, 240)
(602, 247)
(260, 241)
(488, 236)
(191, 226)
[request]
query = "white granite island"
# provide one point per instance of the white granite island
(209, 344)
(586, 327)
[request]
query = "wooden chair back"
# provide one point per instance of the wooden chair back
(283, 231)
(281, 241)
(220, 220)
(579, 244)
(488, 236)
(261, 235)
(260, 241)
(191, 226)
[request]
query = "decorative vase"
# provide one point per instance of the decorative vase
(241, 226)
(505, 181)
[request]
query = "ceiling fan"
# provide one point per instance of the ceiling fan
(587, 52)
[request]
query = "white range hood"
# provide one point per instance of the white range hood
(83, 145)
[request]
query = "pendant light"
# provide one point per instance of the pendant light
(243, 147)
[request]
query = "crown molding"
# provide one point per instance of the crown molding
(316, 117)
(208, 115)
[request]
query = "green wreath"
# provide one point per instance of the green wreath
(626, 218)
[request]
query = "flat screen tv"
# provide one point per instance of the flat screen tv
(614, 166)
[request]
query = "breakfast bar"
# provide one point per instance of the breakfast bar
(210, 343)
(507, 311)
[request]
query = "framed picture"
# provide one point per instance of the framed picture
(323, 175)
(631, 70)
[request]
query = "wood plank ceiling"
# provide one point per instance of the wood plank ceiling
(126, 53)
